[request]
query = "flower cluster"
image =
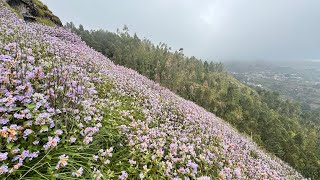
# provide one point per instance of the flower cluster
(48, 98)
(103, 156)
(45, 97)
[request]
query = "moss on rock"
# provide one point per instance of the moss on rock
(33, 11)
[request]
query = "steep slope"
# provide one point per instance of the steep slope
(61, 102)
(272, 121)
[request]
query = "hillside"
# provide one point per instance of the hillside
(33, 11)
(68, 112)
(273, 122)
(296, 80)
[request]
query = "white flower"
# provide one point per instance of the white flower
(132, 162)
(95, 157)
(63, 161)
(78, 173)
(141, 175)
(107, 161)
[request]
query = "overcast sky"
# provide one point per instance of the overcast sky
(210, 29)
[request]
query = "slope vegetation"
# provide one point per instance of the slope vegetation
(272, 121)
(68, 112)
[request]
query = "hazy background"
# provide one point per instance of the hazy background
(210, 29)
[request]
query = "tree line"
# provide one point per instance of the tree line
(275, 123)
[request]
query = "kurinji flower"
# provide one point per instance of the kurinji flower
(123, 175)
(63, 161)
(98, 125)
(73, 139)
(3, 109)
(3, 156)
(17, 166)
(78, 173)
(26, 133)
(52, 142)
(97, 174)
(4, 121)
(43, 118)
(33, 155)
(109, 152)
(58, 132)
(30, 59)
(141, 175)
(3, 169)
(87, 140)
(10, 101)
(237, 172)
(193, 166)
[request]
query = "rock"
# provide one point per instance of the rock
(34, 10)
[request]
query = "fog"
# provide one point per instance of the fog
(217, 30)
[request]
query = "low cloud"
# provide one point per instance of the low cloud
(209, 29)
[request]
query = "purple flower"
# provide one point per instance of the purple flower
(52, 142)
(26, 133)
(30, 59)
(4, 121)
(237, 172)
(3, 169)
(63, 161)
(73, 139)
(87, 139)
(193, 166)
(123, 175)
(58, 132)
(24, 154)
(3, 109)
(3, 156)
(18, 116)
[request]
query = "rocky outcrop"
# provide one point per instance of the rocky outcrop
(34, 10)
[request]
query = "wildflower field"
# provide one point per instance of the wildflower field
(67, 112)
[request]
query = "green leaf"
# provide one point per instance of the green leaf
(30, 106)
(9, 145)
(44, 128)
(15, 147)
(17, 109)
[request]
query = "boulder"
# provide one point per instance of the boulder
(33, 10)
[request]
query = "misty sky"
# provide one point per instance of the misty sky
(210, 29)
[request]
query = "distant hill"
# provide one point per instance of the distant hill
(297, 80)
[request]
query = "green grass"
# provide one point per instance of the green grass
(45, 21)
(82, 156)
(40, 4)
